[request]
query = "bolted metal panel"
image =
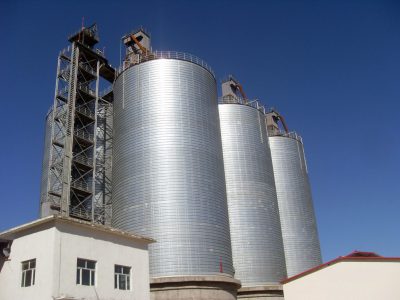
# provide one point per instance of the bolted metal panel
(168, 174)
(257, 248)
(299, 228)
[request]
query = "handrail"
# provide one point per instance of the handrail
(92, 32)
(80, 212)
(66, 71)
(87, 68)
(83, 159)
(85, 135)
(169, 55)
(291, 134)
(62, 91)
(84, 110)
(86, 89)
(238, 100)
(66, 52)
(82, 185)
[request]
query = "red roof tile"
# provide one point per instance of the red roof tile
(353, 256)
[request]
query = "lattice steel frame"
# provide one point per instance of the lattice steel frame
(79, 177)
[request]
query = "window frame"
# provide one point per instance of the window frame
(125, 275)
(81, 270)
(28, 267)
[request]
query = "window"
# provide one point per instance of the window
(122, 277)
(28, 272)
(85, 272)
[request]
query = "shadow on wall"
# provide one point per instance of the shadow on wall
(4, 252)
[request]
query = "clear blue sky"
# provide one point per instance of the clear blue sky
(332, 68)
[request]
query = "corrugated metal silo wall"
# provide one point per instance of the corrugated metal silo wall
(45, 164)
(257, 248)
(299, 228)
(168, 175)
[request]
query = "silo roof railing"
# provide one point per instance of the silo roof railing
(168, 55)
(239, 100)
(291, 134)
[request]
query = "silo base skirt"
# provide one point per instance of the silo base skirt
(261, 292)
(207, 287)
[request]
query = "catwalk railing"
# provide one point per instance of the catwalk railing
(166, 55)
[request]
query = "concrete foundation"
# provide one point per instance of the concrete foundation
(262, 292)
(210, 287)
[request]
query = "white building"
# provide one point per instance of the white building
(63, 258)
(359, 275)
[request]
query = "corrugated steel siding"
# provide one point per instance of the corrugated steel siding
(257, 247)
(299, 228)
(46, 163)
(168, 175)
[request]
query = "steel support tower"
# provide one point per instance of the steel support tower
(79, 172)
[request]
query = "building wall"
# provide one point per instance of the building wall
(56, 250)
(107, 250)
(348, 280)
(40, 245)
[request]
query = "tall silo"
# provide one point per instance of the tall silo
(299, 228)
(168, 173)
(257, 247)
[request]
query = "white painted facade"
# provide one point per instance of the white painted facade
(366, 279)
(56, 243)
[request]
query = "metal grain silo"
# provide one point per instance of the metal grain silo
(299, 228)
(257, 248)
(44, 182)
(168, 173)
